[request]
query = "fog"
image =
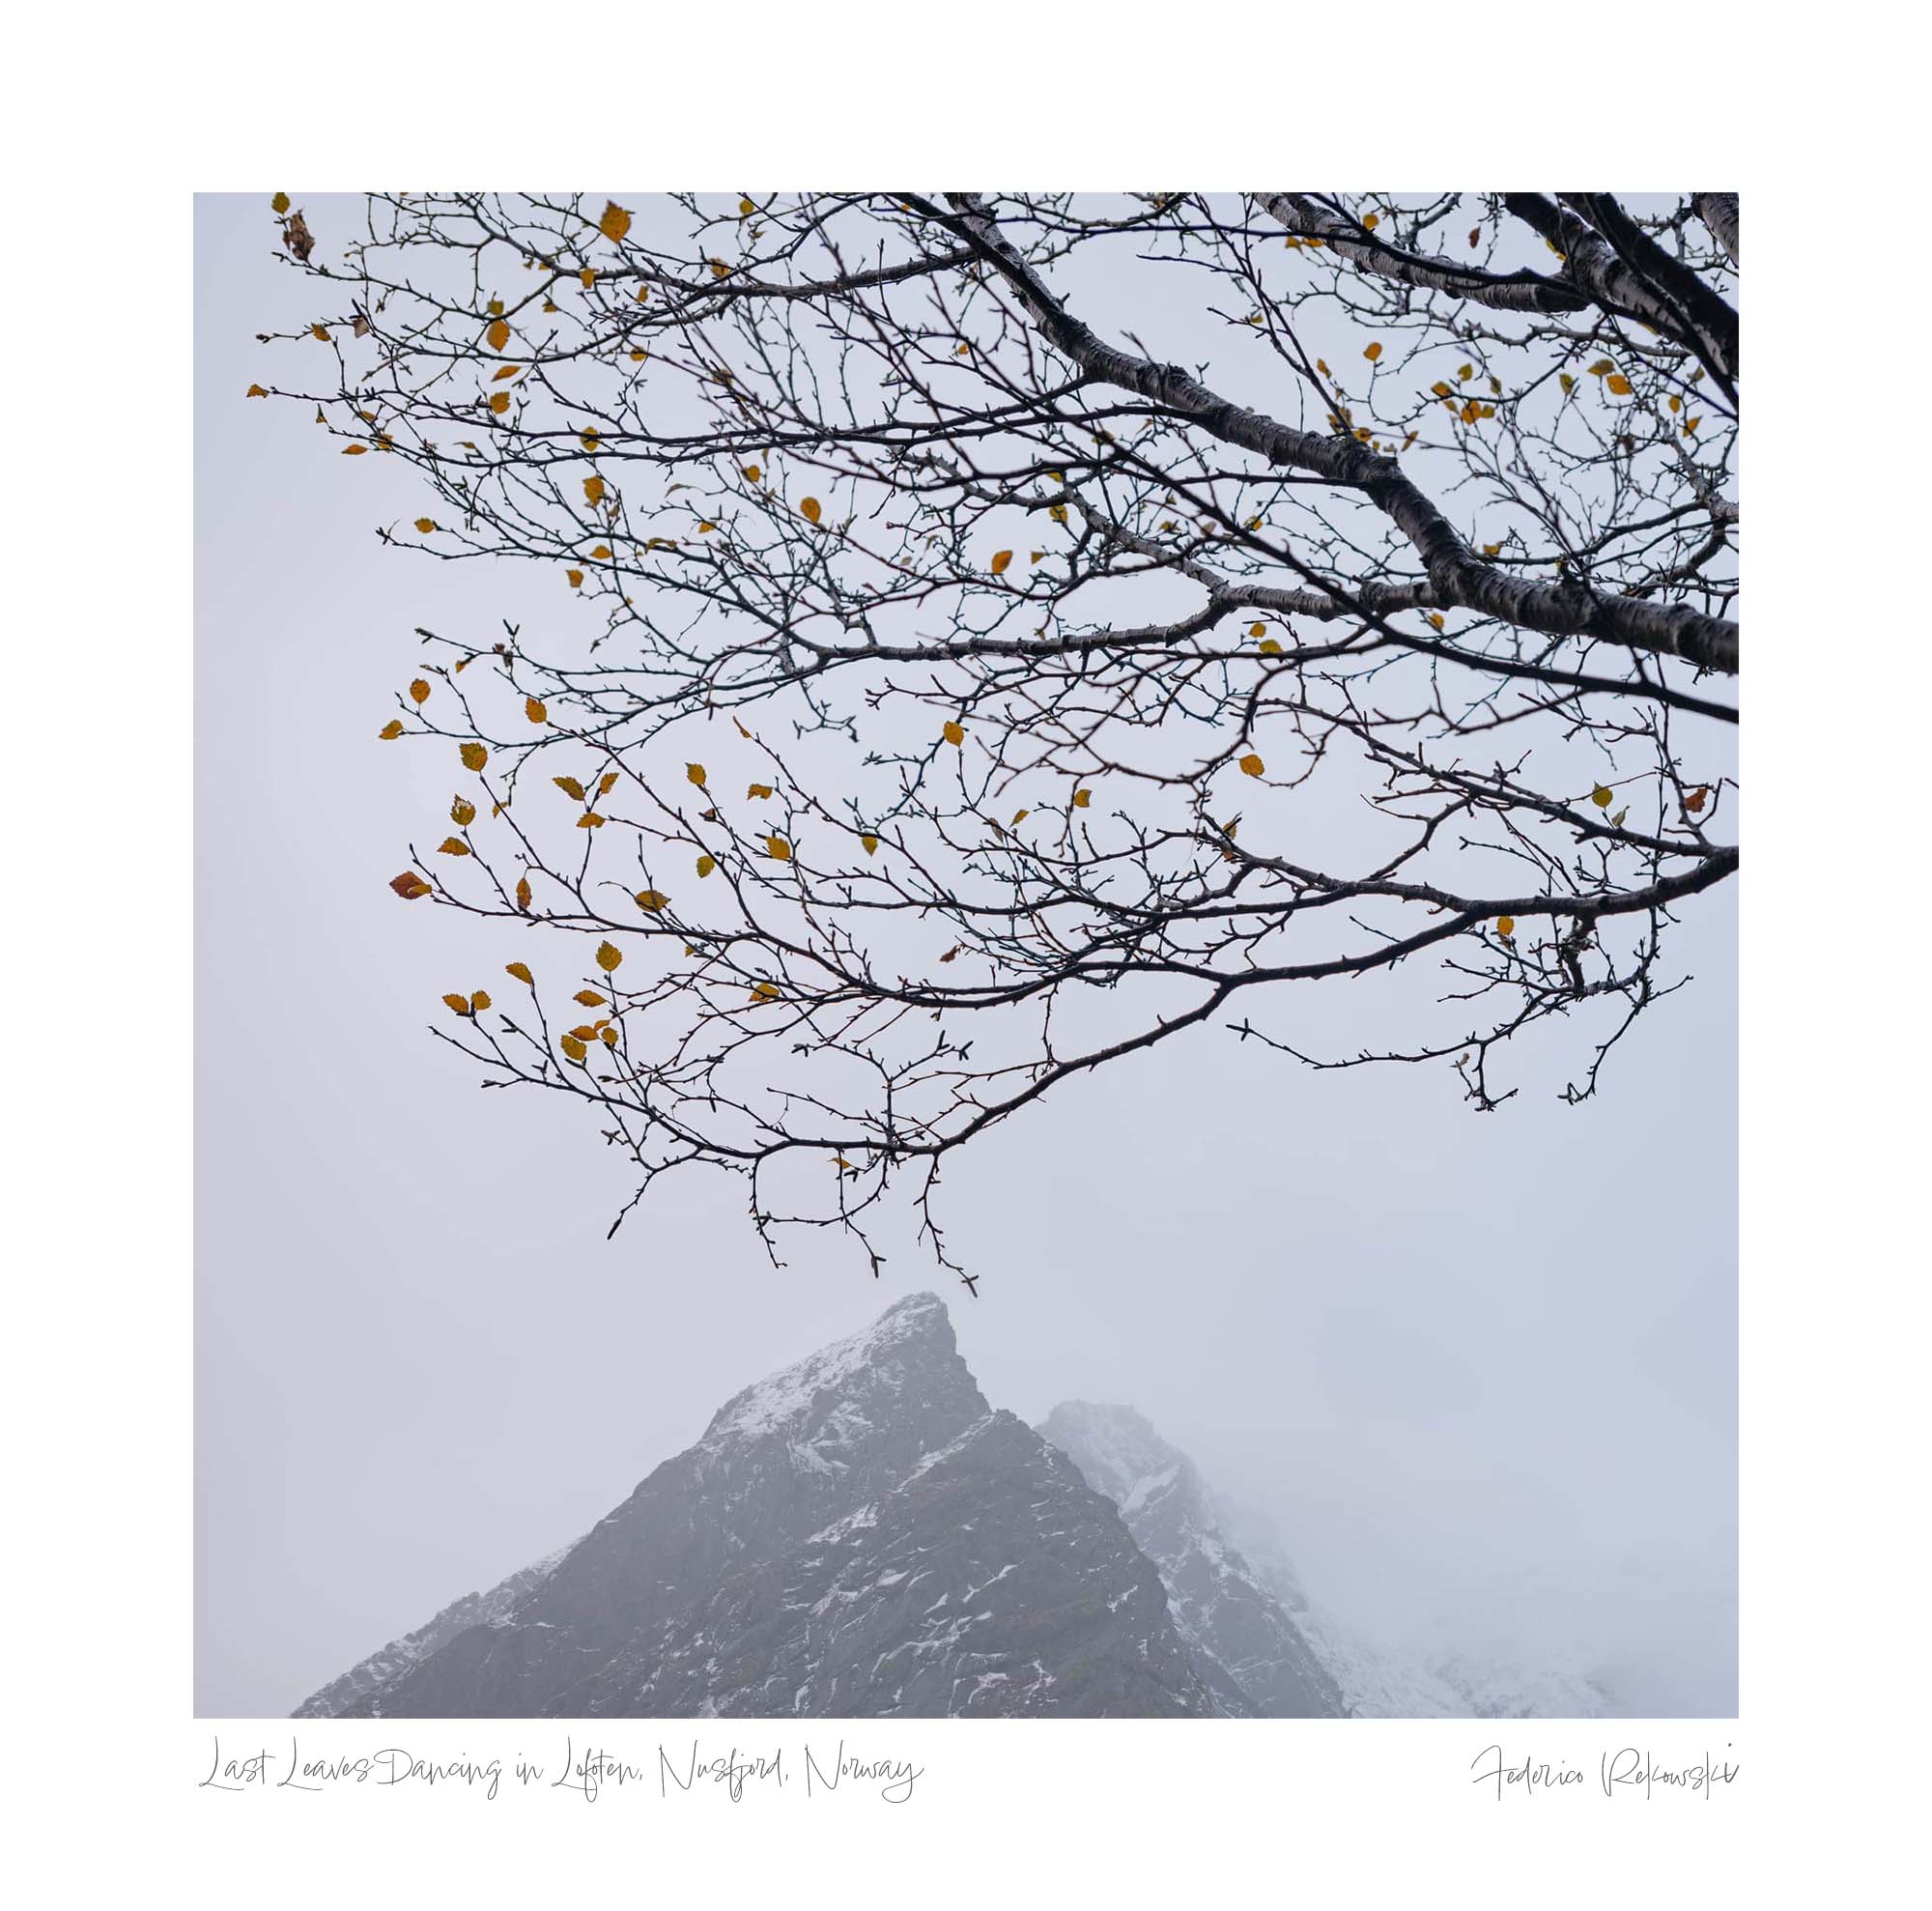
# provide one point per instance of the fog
(1478, 1370)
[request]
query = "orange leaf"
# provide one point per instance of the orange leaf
(409, 886)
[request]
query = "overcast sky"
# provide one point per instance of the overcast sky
(1481, 1370)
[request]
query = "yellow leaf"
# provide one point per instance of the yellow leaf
(461, 813)
(1441, 388)
(1601, 797)
(419, 690)
(809, 510)
(953, 734)
(573, 1046)
(1465, 371)
(746, 209)
(1019, 816)
(452, 845)
(522, 971)
(694, 773)
(589, 998)
(570, 786)
(495, 309)
(390, 731)
(1618, 384)
(523, 892)
(753, 473)
(1372, 352)
(1435, 617)
(593, 490)
(590, 821)
(500, 402)
(705, 865)
(1257, 630)
(777, 849)
(498, 334)
(1082, 798)
(425, 525)
(610, 1036)
(1269, 647)
(608, 956)
(1058, 513)
(584, 1031)
(535, 710)
(870, 843)
(1568, 382)
(473, 756)
(257, 391)
(653, 902)
(765, 993)
(607, 782)
(719, 268)
(319, 331)
(575, 578)
(706, 528)
(1601, 368)
(601, 552)
(1505, 925)
(457, 1005)
(1490, 549)
(1001, 560)
(589, 276)
(759, 792)
(615, 222)
(1034, 557)
(409, 886)
(280, 203)
(1252, 765)
(589, 440)
(353, 450)
(479, 1002)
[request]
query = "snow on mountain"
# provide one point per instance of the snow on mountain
(859, 1535)
(1250, 1648)
(1225, 1567)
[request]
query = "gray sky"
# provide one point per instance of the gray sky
(1482, 1370)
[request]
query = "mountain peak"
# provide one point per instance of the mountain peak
(914, 1335)
(859, 1535)
(1246, 1642)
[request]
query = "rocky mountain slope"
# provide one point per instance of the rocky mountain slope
(859, 1536)
(1241, 1632)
